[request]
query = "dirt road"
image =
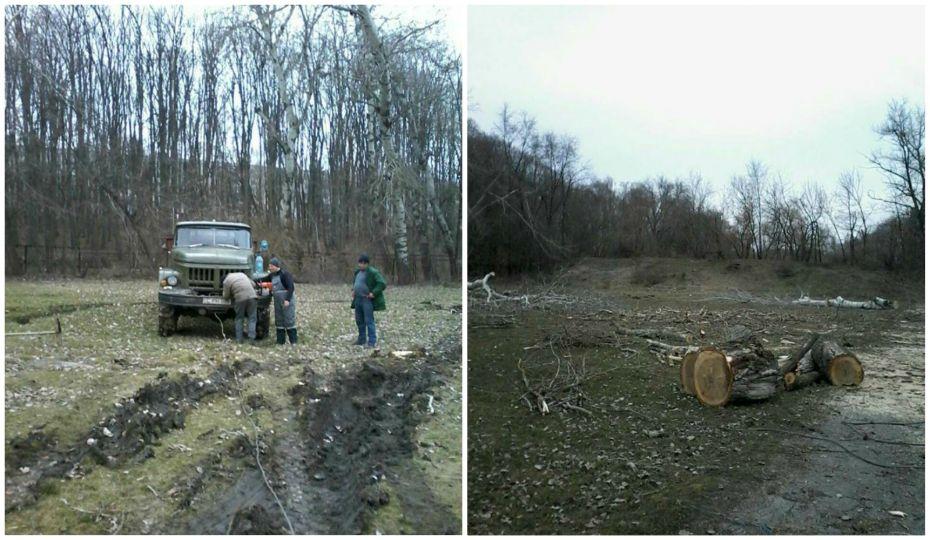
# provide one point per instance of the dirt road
(111, 428)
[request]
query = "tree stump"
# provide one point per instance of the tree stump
(836, 364)
(743, 375)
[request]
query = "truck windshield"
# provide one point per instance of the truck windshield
(213, 237)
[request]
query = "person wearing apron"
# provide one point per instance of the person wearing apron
(285, 309)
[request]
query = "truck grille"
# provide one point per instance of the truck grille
(225, 272)
(210, 277)
(200, 276)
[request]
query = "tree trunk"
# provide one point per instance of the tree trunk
(687, 372)
(840, 302)
(837, 365)
(743, 375)
(804, 374)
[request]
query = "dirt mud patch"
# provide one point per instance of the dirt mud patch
(346, 458)
(128, 432)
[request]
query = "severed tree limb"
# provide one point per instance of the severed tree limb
(796, 357)
(492, 294)
(670, 350)
(840, 302)
(540, 400)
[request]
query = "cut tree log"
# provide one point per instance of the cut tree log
(743, 375)
(840, 302)
(687, 371)
(792, 364)
(804, 374)
(670, 350)
(836, 364)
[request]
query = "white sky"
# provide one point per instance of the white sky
(669, 90)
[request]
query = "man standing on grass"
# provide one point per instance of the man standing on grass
(367, 297)
(241, 289)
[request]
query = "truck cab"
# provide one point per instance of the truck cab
(200, 256)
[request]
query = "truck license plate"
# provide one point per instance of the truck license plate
(216, 301)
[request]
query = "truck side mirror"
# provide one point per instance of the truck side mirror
(169, 243)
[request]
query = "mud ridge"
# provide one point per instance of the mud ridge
(126, 434)
(352, 433)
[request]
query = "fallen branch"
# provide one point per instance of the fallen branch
(57, 330)
(918, 423)
(799, 354)
(840, 302)
(222, 331)
(492, 294)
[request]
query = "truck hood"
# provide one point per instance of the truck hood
(212, 256)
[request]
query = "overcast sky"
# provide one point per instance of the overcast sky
(670, 90)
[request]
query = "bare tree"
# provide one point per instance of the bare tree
(903, 161)
(119, 123)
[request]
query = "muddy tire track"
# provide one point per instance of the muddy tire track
(349, 435)
(124, 435)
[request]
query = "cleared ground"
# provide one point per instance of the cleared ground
(111, 428)
(651, 460)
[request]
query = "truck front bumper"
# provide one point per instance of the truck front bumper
(185, 298)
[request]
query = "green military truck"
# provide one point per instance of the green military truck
(200, 256)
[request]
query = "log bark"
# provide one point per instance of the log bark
(804, 374)
(792, 364)
(687, 372)
(742, 375)
(840, 302)
(836, 364)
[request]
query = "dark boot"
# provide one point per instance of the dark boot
(281, 335)
(292, 335)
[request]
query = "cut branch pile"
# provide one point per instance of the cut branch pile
(840, 302)
(493, 297)
(551, 378)
(717, 377)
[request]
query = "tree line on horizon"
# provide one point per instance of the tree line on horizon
(533, 206)
(329, 129)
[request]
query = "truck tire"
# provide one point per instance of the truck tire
(167, 321)
(263, 323)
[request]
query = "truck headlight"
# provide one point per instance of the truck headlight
(168, 277)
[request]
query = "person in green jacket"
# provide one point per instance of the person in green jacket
(367, 298)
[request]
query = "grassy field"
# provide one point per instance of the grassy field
(60, 388)
(651, 460)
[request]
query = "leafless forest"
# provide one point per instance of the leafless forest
(329, 130)
(533, 205)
